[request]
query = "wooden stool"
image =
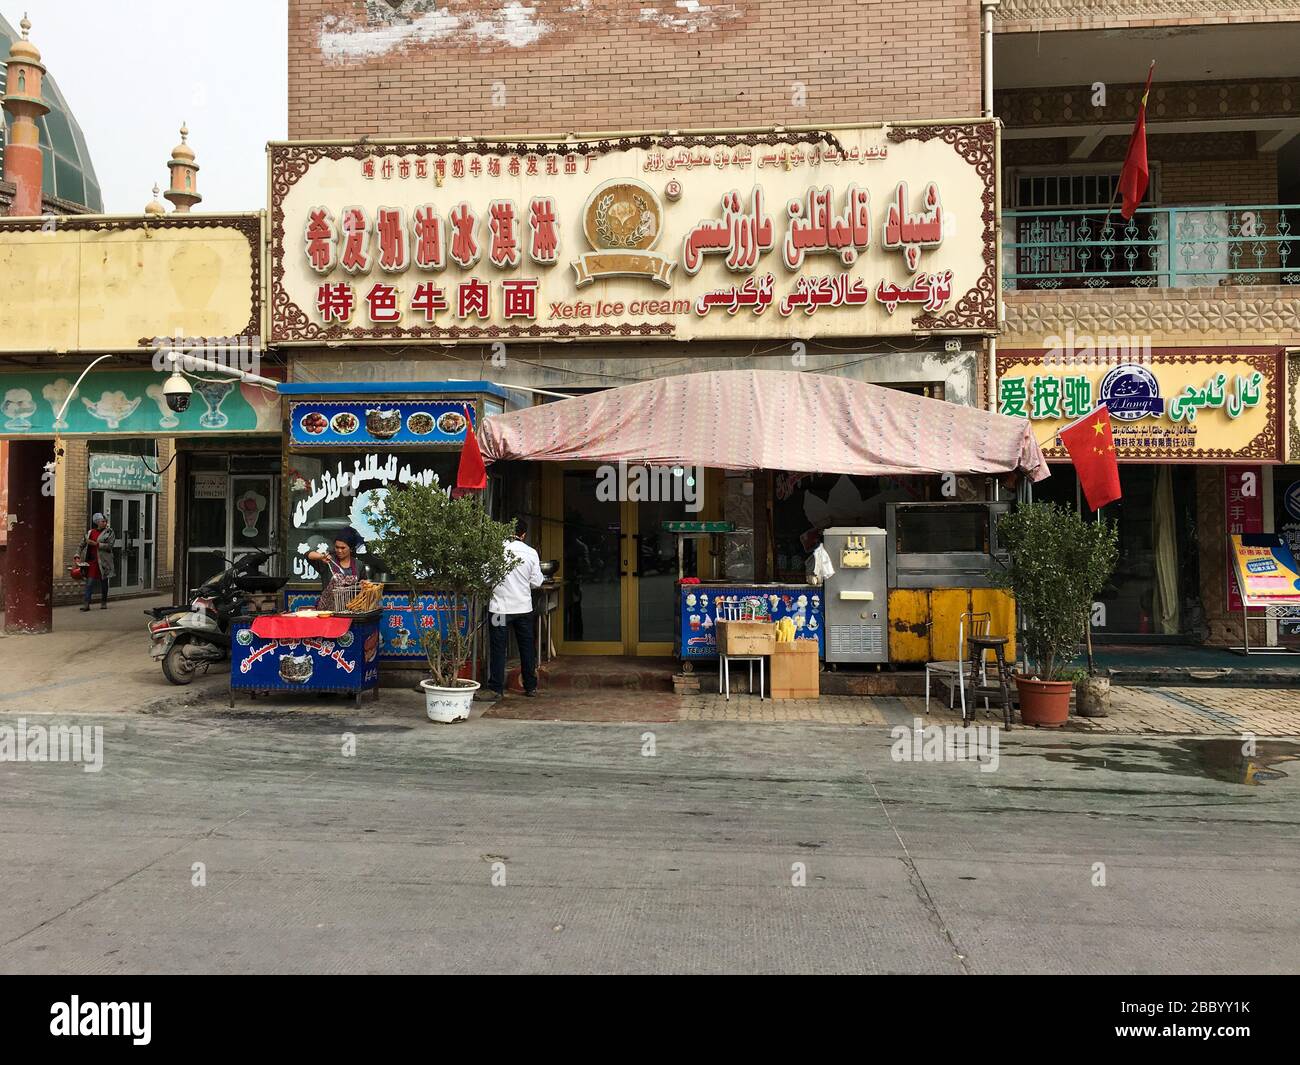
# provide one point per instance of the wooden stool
(979, 648)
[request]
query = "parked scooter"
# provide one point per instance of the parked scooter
(186, 638)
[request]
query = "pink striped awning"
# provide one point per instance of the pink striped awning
(767, 419)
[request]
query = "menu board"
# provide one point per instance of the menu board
(382, 422)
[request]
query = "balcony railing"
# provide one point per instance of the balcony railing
(1159, 247)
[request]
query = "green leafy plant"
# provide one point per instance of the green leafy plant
(1057, 564)
(433, 544)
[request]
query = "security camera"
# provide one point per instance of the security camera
(177, 391)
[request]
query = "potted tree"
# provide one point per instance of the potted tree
(449, 555)
(1057, 563)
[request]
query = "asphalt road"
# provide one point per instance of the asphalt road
(613, 861)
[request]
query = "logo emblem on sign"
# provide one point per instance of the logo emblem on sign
(623, 220)
(1131, 392)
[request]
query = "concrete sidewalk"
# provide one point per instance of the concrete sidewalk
(94, 662)
(98, 662)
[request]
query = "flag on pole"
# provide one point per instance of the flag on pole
(471, 473)
(1137, 172)
(1092, 450)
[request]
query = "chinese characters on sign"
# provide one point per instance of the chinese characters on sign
(1243, 513)
(1172, 405)
(397, 244)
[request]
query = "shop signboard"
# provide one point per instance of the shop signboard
(1286, 522)
(122, 473)
(379, 422)
(209, 486)
(1243, 511)
(1187, 405)
(885, 230)
(130, 403)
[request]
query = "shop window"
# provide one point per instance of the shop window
(329, 492)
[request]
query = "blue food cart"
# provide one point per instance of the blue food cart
(277, 653)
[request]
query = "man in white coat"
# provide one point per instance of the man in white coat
(511, 607)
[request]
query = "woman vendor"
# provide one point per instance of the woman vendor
(340, 570)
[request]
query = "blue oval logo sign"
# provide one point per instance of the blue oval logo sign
(1131, 392)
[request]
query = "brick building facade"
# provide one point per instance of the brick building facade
(482, 67)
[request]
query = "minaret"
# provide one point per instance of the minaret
(22, 99)
(155, 207)
(184, 191)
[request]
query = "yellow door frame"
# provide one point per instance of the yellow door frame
(629, 584)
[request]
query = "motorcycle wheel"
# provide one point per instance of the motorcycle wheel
(176, 667)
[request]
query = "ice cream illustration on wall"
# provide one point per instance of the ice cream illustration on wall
(251, 506)
(18, 409)
(112, 407)
(56, 394)
(168, 419)
(213, 394)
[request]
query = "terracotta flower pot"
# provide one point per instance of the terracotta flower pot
(1044, 703)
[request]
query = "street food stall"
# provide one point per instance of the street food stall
(348, 445)
(311, 651)
(898, 589)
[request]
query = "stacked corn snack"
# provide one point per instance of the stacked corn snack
(365, 600)
(785, 630)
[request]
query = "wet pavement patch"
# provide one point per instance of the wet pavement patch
(1220, 759)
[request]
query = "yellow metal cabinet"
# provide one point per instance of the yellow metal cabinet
(923, 622)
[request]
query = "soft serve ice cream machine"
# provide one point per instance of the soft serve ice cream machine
(857, 596)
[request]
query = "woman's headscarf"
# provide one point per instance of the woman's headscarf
(96, 518)
(349, 536)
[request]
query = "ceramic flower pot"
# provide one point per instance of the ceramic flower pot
(1044, 703)
(448, 704)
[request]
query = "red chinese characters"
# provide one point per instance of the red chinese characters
(390, 226)
(381, 304)
(428, 299)
(472, 299)
(543, 232)
(334, 302)
(520, 297)
(322, 240)
(355, 257)
(503, 250)
(464, 246)
(430, 240)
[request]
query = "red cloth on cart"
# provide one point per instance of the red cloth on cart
(289, 627)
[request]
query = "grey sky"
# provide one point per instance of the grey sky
(132, 70)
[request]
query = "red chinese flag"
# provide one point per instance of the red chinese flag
(471, 473)
(1092, 450)
(1136, 173)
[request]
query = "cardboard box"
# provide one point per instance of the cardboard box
(795, 670)
(746, 637)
